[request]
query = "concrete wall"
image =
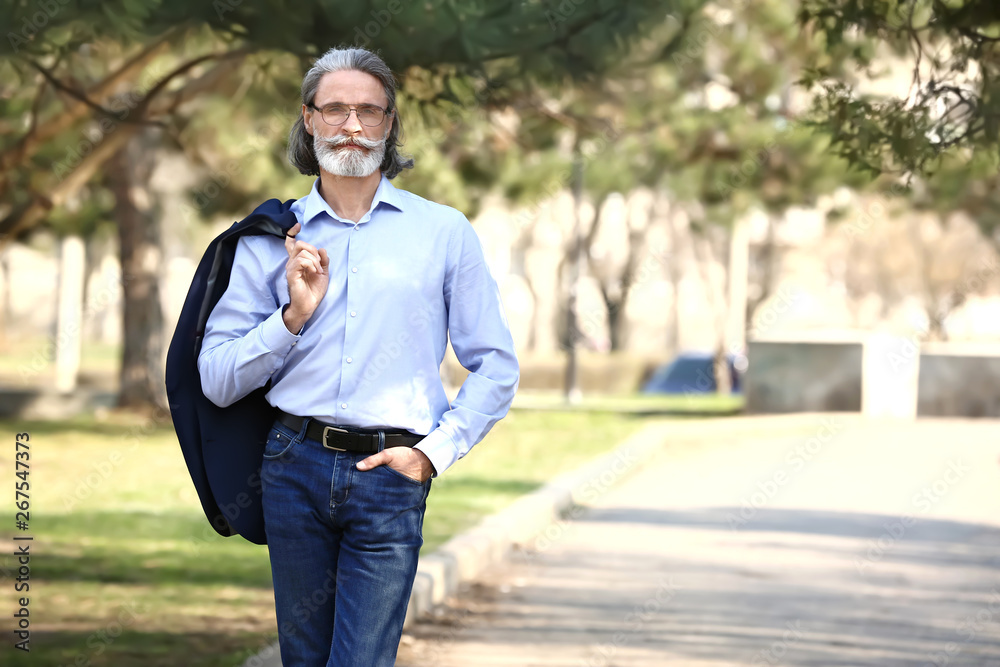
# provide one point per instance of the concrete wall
(803, 377)
(953, 380)
(958, 385)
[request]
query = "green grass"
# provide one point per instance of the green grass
(126, 570)
(639, 404)
(31, 361)
(120, 543)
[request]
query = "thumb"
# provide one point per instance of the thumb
(290, 237)
(373, 461)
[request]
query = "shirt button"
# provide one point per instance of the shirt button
(349, 360)
(354, 270)
(354, 313)
(343, 406)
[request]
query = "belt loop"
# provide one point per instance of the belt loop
(381, 440)
(305, 426)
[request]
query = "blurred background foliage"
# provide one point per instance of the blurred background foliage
(702, 100)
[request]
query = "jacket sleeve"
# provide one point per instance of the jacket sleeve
(245, 341)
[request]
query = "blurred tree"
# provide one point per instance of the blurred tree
(936, 128)
(759, 155)
(905, 258)
(955, 264)
(88, 104)
(962, 183)
(703, 108)
(726, 139)
(952, 103)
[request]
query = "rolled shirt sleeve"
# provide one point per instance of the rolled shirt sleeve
(481, 339)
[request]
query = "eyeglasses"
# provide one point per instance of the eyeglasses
(337, 114)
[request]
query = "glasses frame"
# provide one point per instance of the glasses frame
(386, 113)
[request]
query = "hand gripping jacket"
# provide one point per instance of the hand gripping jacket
(223, 447)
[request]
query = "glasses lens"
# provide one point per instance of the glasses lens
(370, 116)
(335, 114)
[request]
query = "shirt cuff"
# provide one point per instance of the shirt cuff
(275, 335)
(440, 449)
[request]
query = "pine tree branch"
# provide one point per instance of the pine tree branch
(32, 212)
(81, 96)
(29, 144)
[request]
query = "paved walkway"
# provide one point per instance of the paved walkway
(845, 542)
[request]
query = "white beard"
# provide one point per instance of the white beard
(349, 161)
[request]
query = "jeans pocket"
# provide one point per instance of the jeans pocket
(399, 475)
(280, 441)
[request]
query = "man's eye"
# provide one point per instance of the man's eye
(369, 112)
(336, 109)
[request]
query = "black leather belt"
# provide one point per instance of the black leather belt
(348, 438)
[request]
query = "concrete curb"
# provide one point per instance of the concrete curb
(462, 558)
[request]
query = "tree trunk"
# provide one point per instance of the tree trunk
(572, 391)
(718, 304)
(720, 368)
(739, 277)
(615, 309)
(616, 320)
(139, 246)
(615, 304)
(935, 324)
(69, 315)
(532, 334)
(674, 273)
(618, 329)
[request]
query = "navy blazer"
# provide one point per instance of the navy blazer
(223, 447)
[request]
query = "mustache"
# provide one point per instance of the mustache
(342, 140)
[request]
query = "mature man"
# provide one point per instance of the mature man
(348, 322)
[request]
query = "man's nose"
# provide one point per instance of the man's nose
(352, 125)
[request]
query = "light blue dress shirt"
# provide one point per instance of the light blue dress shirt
(403, 278)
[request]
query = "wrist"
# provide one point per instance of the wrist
(425, 463)
(293, 319)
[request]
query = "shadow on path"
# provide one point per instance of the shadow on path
(641, 586)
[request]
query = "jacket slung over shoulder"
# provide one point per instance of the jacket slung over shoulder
(222, 447)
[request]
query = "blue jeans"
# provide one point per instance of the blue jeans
(343, 546)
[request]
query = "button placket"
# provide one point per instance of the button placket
(354, 249)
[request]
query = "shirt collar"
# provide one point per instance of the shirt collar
(386, 193)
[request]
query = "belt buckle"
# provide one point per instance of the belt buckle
(326, 430)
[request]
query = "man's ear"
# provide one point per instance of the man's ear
(307, 114)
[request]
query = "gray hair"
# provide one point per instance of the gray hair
(300, 143)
